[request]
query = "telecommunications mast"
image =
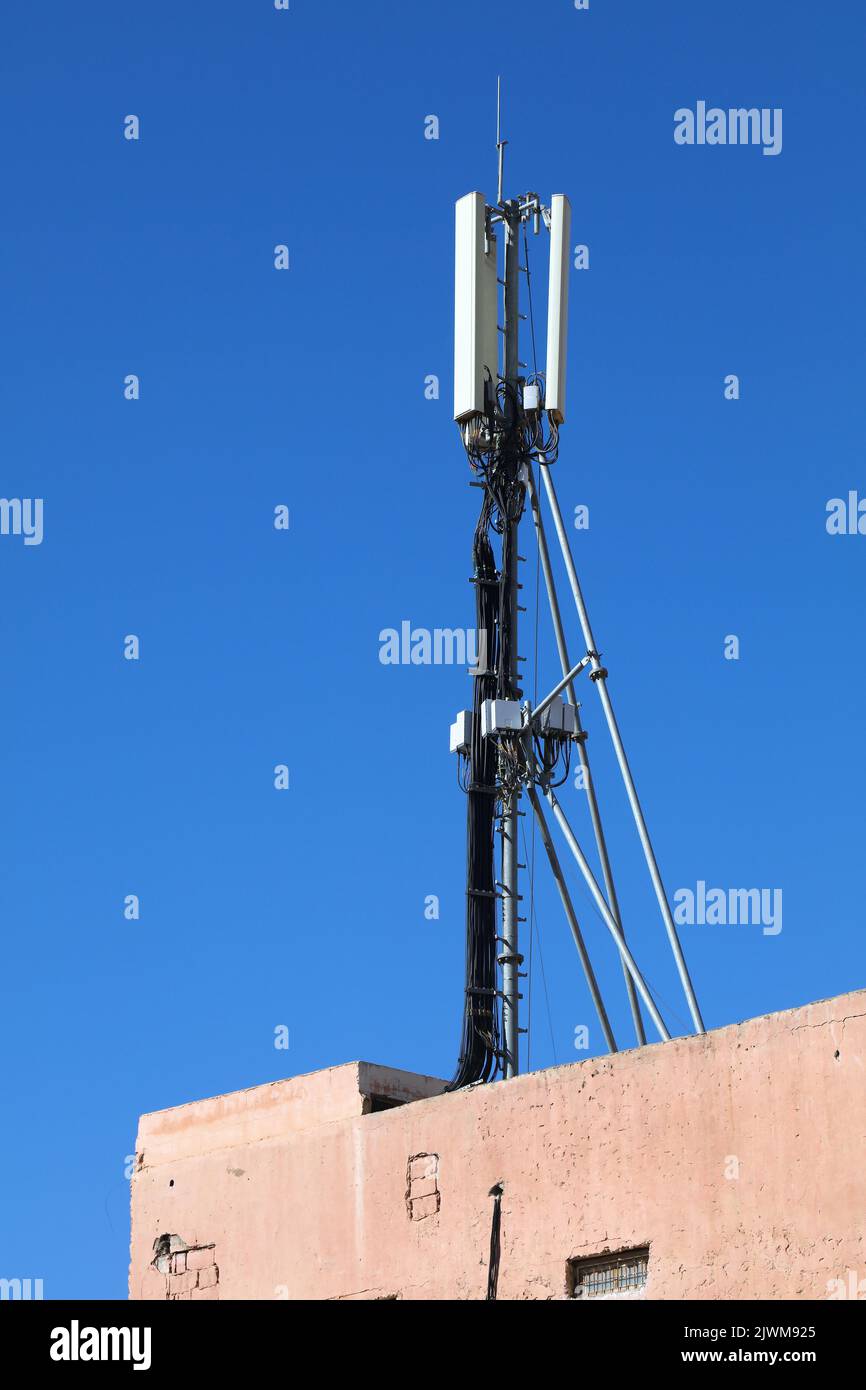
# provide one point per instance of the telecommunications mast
(509, 419)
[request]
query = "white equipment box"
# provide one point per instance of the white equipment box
(461, 732)
(558, 718)
(500, 716)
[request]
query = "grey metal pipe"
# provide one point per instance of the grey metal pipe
(594, 813)
(558, 689)
(606, 913)
(572, 921)
(598, 677)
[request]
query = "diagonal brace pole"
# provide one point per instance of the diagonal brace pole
(594, 813)
(598, 676)
(567, 680)
(572, 920)
(612, 926)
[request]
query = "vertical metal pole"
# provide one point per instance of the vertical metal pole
(594, 813)
(598, 677)
(509, 957)
(500, 143)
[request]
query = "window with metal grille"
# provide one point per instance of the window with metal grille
(607, 1276)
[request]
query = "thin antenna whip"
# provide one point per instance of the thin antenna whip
(500, 143)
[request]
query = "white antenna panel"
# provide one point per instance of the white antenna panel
(476, 339)
(557, 305)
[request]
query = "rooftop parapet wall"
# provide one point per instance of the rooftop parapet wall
(737, 1157)
(275, 1110)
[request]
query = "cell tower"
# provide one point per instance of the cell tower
(510, 419)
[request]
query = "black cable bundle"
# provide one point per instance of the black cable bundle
(495, 1243)
(481, 1051)
(480, 1044)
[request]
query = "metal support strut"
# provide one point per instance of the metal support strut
(572, 920)
(594, 813)
(599, 678)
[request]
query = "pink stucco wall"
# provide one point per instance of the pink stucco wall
(738, 1157)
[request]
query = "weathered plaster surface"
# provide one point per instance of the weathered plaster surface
(738, 1157)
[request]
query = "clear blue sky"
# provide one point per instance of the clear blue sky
(258, 387)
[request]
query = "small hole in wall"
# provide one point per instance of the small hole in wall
(374, 1105)
(171, 1182)
(836, 1054)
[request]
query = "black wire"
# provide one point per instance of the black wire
(495, 1244)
